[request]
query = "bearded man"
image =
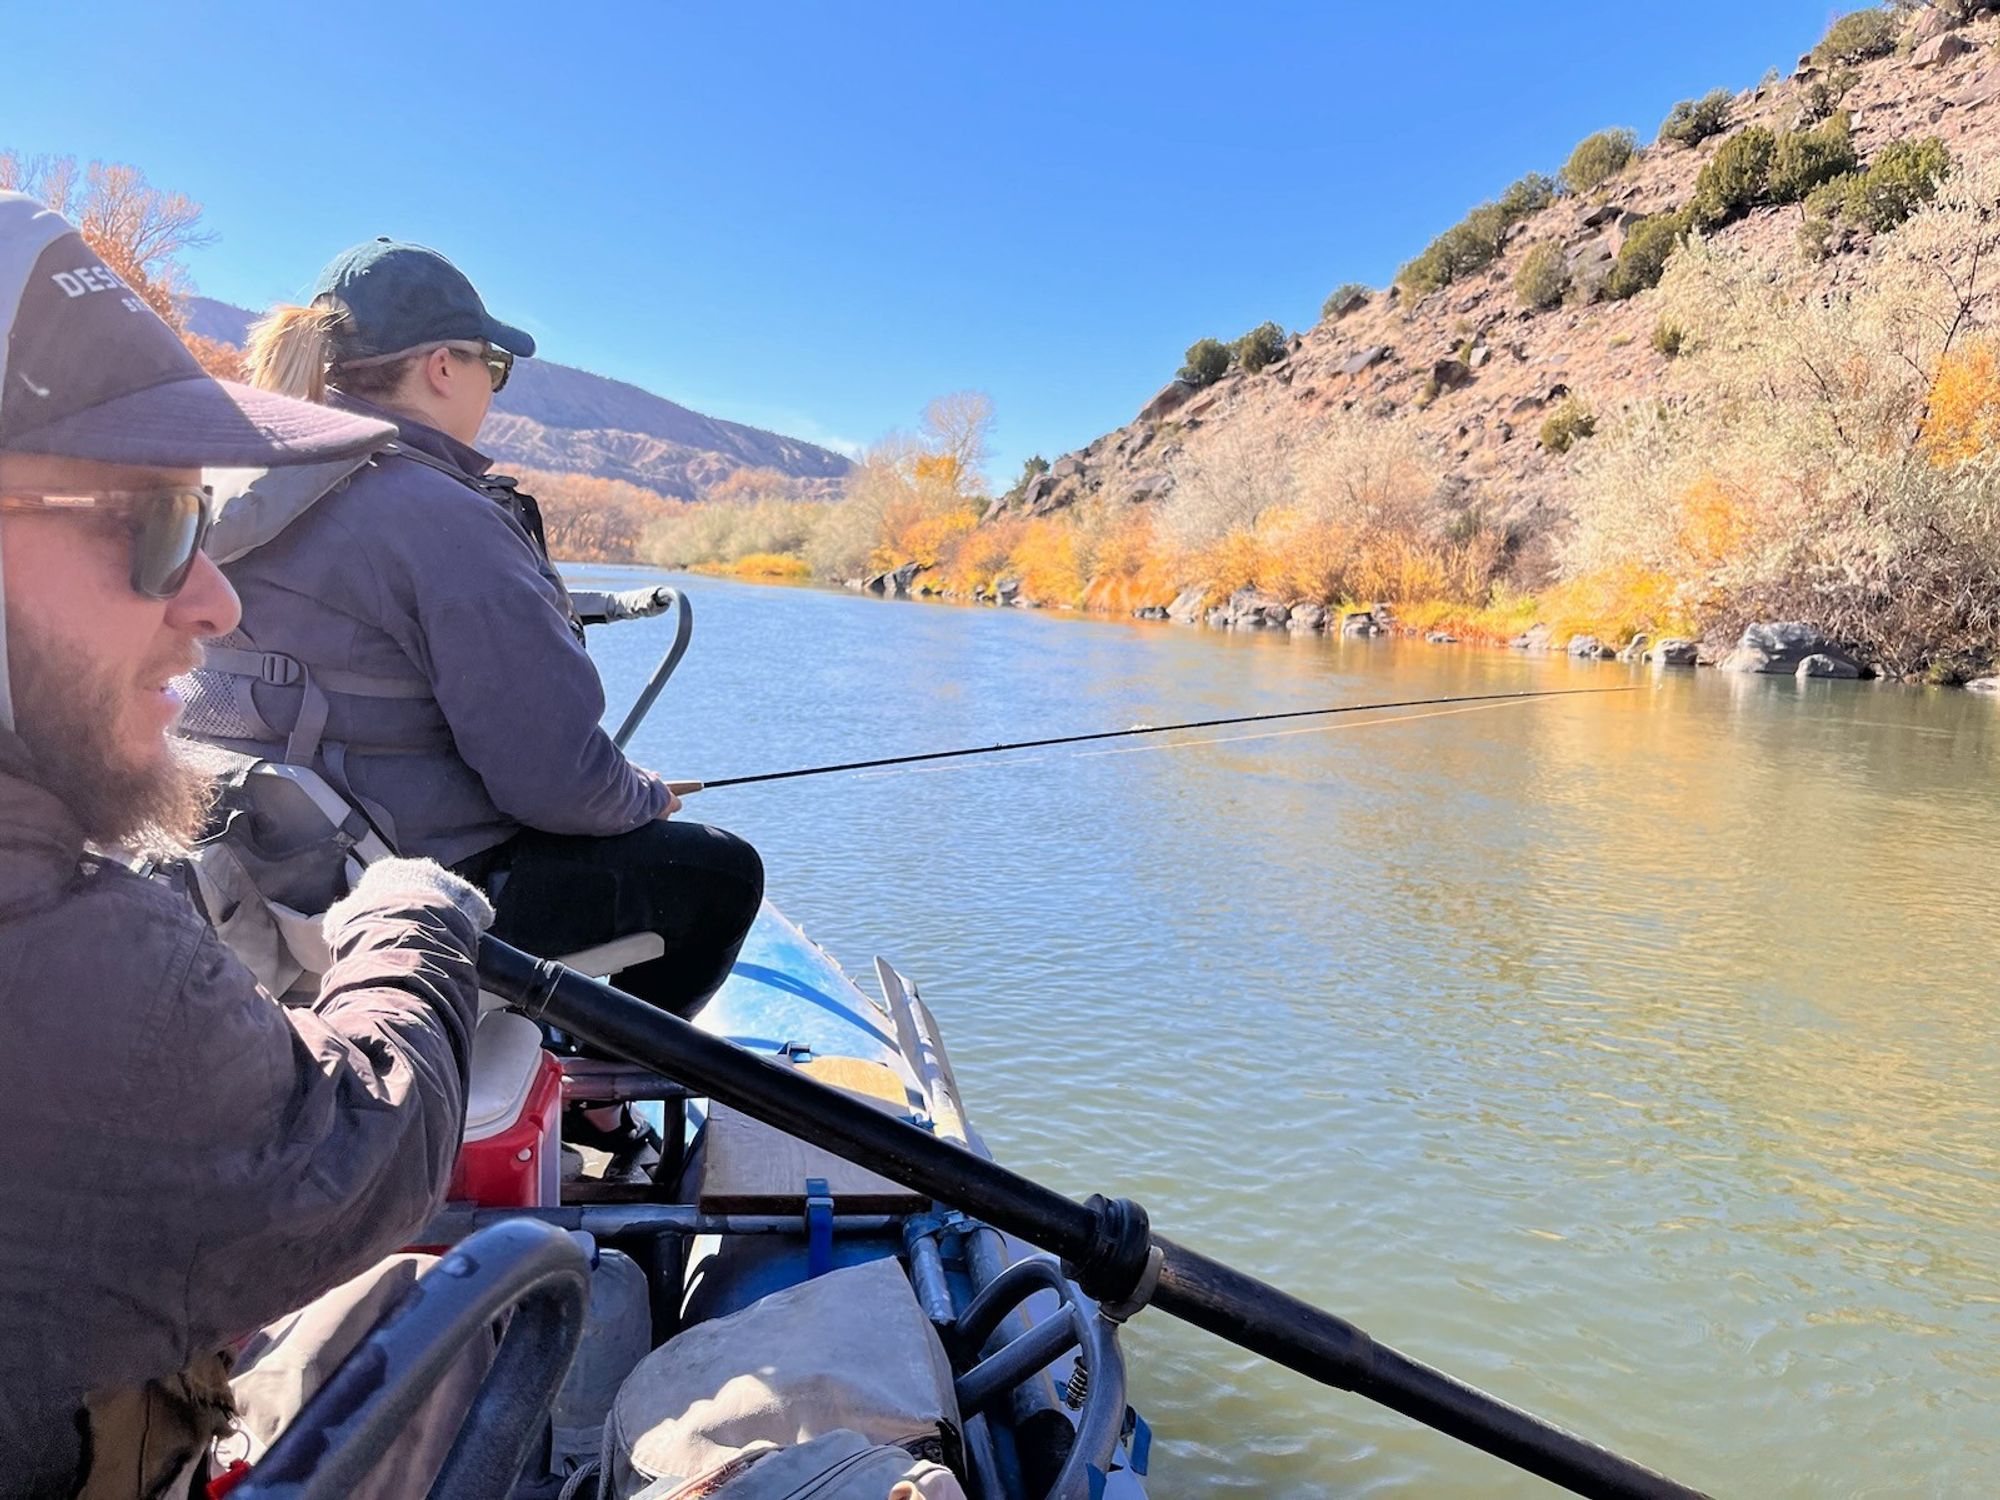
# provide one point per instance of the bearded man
(185, 1160)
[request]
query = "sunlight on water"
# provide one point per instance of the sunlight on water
(1626, 1055)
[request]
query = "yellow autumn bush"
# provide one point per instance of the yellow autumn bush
(1962, 423)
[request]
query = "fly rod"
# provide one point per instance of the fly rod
(1120, 734)
(1107, 1245)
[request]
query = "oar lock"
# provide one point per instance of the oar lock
(1121, 1268)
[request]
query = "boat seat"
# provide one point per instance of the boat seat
(622, 953)
(749, 1167)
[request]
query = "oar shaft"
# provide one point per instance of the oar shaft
(1301, 1337)
(782, 1096)
(1191, 1286)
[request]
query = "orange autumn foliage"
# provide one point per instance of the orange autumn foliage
(1963, 420)
(140, 231)
(913, 531)
(595, 520)
(1715, 523)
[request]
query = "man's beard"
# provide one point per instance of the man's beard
(67, 708)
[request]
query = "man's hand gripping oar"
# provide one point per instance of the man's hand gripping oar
(1106, 1245)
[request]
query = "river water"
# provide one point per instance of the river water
(1631, 1056)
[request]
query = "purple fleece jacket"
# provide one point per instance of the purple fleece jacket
(185, 1159)
(405, 570)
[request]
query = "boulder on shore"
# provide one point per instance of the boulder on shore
(1590, 647)
(1442, 638)
(1360, 622)
(1536, 637)
(1674, 651)
(1306, 617)
(1778, 647)
(1821, 665)
(1635, 649)
(1983, 685)
(1186, 606)
(1252, 609)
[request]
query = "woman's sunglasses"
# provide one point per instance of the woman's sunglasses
(499, 362)
(167, 526)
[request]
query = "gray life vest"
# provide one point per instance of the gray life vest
(254, 507)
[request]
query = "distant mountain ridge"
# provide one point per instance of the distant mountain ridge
(558, 417)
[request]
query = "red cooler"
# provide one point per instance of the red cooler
(512, 1155)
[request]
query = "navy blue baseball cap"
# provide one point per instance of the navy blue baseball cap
(401, 296)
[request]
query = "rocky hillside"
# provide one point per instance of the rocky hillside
(556, 417)
(1476, 371)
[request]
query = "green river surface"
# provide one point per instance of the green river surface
(1632, 1056)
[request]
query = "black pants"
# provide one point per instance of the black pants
(696, 886)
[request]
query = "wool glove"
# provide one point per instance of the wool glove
(390, 880)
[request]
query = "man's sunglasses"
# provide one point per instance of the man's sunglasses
(168, 527)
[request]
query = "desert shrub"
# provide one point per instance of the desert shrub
(1475, 240)
(1733, 179)
(1802, 160)
(1261, 346)
(1462, 249)
(1596, 159)
(1822, 96)
(1567, 425)
(1528, 195)
(1207, 362)
(1343, 299)
(1668, 338)
(720, 533)
(1224, 481)
(1903, 176)
(1857, 37)
(1693, 121)
(1543, 277)
(1643, 256)
(1823, 454)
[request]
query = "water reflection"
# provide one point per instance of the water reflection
(1625, 1054)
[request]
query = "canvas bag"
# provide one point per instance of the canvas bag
(847, 1351)
(838, 1465)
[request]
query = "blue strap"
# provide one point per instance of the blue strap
(1138, 1441)
(819, 1227)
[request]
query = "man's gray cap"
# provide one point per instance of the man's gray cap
(88, 370)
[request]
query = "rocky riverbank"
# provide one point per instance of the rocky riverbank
(1788, 648)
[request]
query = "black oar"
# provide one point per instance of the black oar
(1106, 1244)
(1119, 734)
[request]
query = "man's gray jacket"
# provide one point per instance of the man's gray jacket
(407, 573)
(184, 1159)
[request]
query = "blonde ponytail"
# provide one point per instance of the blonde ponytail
(290, 349)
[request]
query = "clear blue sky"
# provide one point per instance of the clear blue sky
(816, 217)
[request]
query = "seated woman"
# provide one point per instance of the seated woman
(447, 688)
